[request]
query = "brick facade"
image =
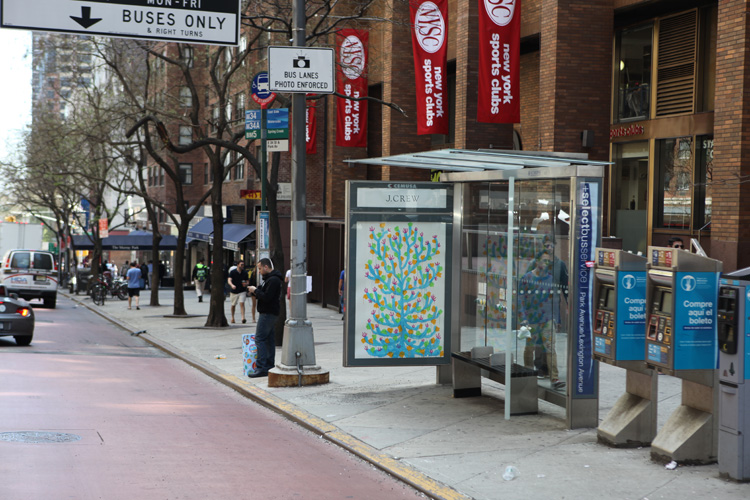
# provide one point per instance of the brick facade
(730, 232)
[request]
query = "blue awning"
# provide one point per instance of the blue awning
(201, 231)
(125, 242)
(234, 234)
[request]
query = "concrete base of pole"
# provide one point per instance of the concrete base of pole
(288, 376)
(298, 338)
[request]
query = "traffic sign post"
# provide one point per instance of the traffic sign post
(263, 96)
(301, 69)
(192, 21)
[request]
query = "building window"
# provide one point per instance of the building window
(214, 119)
(674, 183)
(633, 66)
(186, 97)
(186, 173)
(205, 173)
(239, 101)
(704, 156)
(629, 195)
(186, 135)
(161, 176)
(239, 170)
(227, 162)
(188, 56)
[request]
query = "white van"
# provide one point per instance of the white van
(31, 274)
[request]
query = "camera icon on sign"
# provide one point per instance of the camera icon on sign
(301, 62)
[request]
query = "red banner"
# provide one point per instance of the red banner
(311, 129)
(499, 61)
(429, 40)
(351, 116)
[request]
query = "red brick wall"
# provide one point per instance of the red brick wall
(575, 75)
(528, 129)
(730, 231)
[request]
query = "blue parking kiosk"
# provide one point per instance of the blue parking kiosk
(682, 290)
(619, 340)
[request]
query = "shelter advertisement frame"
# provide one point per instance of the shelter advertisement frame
(398, 276)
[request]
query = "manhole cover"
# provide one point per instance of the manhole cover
(38, 437)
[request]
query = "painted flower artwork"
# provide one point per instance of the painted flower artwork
(403, 279)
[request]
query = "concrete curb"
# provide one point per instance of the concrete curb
(405, 473)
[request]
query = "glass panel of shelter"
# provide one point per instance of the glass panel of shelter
(536, 302)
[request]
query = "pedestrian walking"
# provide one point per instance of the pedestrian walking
(268, 295)
(200, 274)
(144, 275)
(134, 285)
(237, 282)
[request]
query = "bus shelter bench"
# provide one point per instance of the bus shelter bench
(467, 380)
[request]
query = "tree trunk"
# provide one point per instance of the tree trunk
(277, 256)
(154, 278)
(179, 271)
(216, 316)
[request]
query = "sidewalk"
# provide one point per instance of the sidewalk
(403, 422)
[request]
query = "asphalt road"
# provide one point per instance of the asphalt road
(146, 426)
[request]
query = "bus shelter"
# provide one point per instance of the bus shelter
(518, 268)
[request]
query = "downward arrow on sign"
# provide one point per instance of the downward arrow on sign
(85, 19)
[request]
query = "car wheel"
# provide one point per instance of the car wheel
(50, 302)
(23, 340)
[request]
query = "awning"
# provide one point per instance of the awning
(462, 160)
(125, 242)
(201, 231)
(234, 234)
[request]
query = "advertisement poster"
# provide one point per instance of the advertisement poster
(584, 380)
(351, 116)
(499, 61)
(429, 19)
(311, 128)
(695, 343)
(400, 287)
(631, 316)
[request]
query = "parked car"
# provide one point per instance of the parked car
(16, 318)
(31, 274)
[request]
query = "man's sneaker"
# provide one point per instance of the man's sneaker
(557, 383)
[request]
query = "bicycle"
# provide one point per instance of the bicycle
(99, 293)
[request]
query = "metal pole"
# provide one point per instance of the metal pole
(263, 161)
(298, 334)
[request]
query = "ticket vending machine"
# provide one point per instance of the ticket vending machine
(619, 340)
(681, 340)
(734, 375)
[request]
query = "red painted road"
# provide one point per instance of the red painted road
(151, 427)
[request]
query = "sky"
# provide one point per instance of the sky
(15, 89)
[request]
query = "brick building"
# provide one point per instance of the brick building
(655, 86)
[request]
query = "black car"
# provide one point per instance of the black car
(16, 318)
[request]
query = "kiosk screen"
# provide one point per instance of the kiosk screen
(610, 299)
(666, 303)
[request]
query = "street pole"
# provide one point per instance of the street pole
(263, 161)
(298, 348)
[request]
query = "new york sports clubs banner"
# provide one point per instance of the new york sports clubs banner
(499, 61)
(351, 116)
(429, 19)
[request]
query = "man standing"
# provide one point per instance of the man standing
(268, 295)
(134, 285)
(200, 273)
(237, 282)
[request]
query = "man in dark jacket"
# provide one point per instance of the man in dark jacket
(268, 295)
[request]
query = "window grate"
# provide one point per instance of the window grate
(675, 91)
